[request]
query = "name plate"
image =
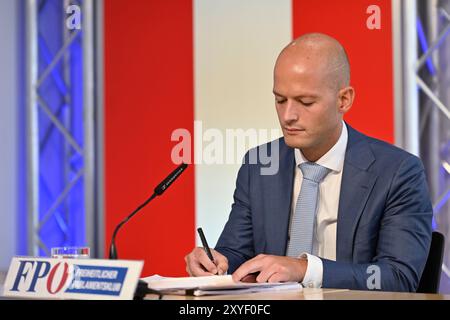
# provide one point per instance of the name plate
(92, 279)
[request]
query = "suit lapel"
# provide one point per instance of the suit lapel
(356, 186)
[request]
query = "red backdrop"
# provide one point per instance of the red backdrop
(148, 94)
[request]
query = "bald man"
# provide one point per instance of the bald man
(343, 211)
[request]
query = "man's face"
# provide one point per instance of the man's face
(306, 103)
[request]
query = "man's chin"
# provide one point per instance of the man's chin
(295, 142)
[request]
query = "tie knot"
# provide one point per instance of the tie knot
(313, 171)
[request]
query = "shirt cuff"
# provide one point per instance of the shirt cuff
(314, 271)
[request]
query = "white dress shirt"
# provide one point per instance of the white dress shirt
(324, 234)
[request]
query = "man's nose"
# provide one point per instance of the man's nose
(290, 112)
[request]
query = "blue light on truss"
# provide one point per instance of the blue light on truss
(58, 161)
(424, 46)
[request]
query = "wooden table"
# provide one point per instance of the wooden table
(313, 294)
(305, 294)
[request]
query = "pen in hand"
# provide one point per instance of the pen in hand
(205, 245)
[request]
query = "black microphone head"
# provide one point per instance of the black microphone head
(159, 190)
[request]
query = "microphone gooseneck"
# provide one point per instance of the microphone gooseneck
(159, 190)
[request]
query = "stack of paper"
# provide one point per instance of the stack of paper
(213, 285)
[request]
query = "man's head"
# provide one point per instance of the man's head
(312, 93)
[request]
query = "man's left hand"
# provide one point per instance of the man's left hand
(273, 269)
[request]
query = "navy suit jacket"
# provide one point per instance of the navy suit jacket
(384, 216)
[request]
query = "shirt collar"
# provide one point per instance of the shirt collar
(334, 158)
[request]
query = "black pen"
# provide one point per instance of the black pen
(205, 244)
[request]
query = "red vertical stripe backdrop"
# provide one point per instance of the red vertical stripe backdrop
(370, 55)
(148, 94)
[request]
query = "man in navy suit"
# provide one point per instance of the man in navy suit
(362, 211)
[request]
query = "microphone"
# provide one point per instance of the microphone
(159, 190)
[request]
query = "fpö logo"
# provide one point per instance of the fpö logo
(32, 273)
(56, 277)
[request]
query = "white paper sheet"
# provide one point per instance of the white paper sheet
(213, 285)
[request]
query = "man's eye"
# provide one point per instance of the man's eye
(280, 101)
(307, 104)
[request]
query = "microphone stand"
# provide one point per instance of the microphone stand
(142, 288)
(113, 248)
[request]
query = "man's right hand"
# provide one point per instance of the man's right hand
(198, 264)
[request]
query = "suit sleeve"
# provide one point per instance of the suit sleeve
(403, 240)
(236, 240)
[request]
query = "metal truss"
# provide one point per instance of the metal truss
(60, 132)
(425, 57)
(433, 28)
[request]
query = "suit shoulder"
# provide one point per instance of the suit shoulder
(389, 153)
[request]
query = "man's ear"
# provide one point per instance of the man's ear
(345, 97)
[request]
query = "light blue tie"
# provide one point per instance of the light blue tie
(302, 224)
